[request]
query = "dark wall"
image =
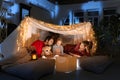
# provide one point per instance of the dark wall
(40, 13)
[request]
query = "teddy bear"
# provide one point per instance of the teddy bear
(46, 52)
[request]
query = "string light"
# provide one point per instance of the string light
(82, 28)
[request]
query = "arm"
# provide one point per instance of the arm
(32, 47)
(87, 51)
(62, 49)
(74, 55)
(77, 47)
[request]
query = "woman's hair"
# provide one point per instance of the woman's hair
(49, 38)
(88, 44)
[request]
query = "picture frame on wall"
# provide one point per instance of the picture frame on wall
(24, 11)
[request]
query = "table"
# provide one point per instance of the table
(66, 63)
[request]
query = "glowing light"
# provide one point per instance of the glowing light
(82, 30)
(34, 56)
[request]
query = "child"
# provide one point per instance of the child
(82, 49)
(57, 47)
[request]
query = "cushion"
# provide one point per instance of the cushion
(95, 64)
(32, 70)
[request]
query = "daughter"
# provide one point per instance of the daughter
(82, 49)
(57, 47)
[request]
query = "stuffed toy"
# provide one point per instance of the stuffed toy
(46, 52)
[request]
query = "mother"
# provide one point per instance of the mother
(38, 44)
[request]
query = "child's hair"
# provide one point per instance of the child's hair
(58, 39)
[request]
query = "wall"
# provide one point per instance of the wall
(64, 10)
(40, 14)
(41, 11)
(57, 13)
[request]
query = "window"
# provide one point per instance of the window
(24, 11)
(79, 14)
(93, 17)
(108, 13)
(66, 21)
(78, 17)
(92, 13)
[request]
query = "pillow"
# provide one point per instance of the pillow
(95, 64)
(32, 70)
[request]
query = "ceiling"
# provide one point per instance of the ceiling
(65, 2)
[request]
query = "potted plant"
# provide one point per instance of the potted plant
(108, 34)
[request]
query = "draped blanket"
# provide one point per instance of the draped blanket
(27, 31)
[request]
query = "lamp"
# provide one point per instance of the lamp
(34, 55)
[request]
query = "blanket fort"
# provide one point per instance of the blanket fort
(25, 33)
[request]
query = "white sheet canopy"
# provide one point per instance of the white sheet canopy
(26, 33)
